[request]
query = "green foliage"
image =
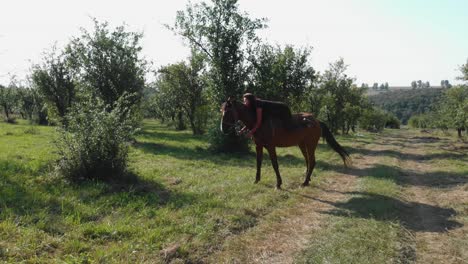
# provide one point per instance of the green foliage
(281, 74)
(94, 144)
(392, 121)
(337, 100)
(421, 121)
(182, 87)
(55, 82)
(231, 143)
(108, 63)
(406, 103)
(223, 33)
(454, 108)
(9, 100)
(373, 120)
(464, 72)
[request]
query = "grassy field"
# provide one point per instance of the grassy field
(185, 202)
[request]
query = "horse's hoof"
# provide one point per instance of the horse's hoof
(278, 188)
(256, 181)
(305, 184)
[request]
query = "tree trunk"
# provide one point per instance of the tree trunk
(180, 121)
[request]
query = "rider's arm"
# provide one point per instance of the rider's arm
(259, 119)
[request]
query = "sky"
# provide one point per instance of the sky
(394, 41)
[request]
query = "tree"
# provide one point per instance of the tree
(375, 86)
(427, 85)
(445, 84)
(9, 100)
(414, 84)
(342, 101)
(386, 86)
(108, 63)
(420, 84)
(281, 74)
(454, 108)
(54, 79)
(223, 33)
(464, 72)
(184, 85)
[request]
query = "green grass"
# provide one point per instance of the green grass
(365, 228)
(188, 196)
(184, 195)
(376, 224)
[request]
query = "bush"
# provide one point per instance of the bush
(94, 144)
(420, 121)
(231, 142)
(392, 121)
(373, 120)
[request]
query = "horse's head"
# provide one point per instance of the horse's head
(229, 115)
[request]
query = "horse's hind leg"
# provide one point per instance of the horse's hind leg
(303, 148)
(311, 162)
(274, 163)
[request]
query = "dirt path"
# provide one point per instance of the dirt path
(433, 191)
(286, 233)
(426, 190)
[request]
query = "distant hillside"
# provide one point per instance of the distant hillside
(371, 92)
(406, 102)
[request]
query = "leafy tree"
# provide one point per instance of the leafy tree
(281, 74)
(454, 108)
(9, 100)
(341, 101)
(420, 84)
(464, 72)
(223, 33)
(414, 84)
(184, 85)
(54, 80)
(108, 62)
(375, 86)
(445, 84)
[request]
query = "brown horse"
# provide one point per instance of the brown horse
(270, 136)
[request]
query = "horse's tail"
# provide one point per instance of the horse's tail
(331, 141)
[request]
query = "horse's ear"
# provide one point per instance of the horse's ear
(229, 99)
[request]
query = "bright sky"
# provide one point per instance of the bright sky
(394, 41)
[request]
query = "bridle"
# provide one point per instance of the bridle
(235, 115)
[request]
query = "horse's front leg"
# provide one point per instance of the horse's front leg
(259, 150)
(274, 162)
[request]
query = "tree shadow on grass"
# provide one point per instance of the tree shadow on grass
(415, 216)
(410, 177)
(228, 159)
(46, 203)
(408, 156)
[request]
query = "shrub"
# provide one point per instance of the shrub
(392, 121)
(420, 121)
(373, 120)
(231, 142)
(94, 144)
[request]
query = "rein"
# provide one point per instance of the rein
(233, 125)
